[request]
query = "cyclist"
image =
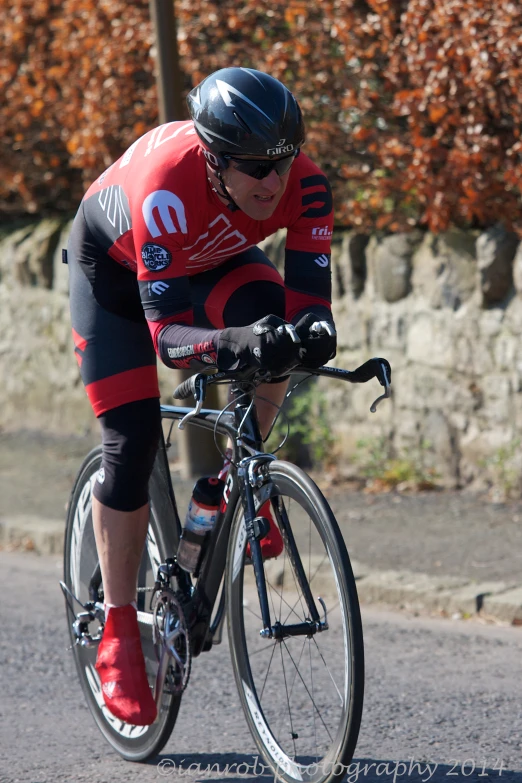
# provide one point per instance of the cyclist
(163, 260)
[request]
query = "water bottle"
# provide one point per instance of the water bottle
(201, 516)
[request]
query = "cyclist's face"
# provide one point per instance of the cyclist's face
(257, 198)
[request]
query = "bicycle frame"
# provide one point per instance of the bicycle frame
(241, 426)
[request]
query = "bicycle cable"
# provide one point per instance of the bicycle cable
(225, 410)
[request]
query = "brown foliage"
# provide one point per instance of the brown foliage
(78, 85)
(413, 107)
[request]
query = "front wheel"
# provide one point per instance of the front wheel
(134, 743)
(302, 695)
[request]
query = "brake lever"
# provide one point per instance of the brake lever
(290, 330)
(387, 388)
(320, 327)
(201, 385)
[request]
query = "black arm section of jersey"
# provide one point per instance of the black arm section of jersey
(188, 347)
(164, 298)
(309, 273)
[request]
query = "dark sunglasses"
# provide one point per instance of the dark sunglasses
(259, 169)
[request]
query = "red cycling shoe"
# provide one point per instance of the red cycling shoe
(272, 544)
(121, 668)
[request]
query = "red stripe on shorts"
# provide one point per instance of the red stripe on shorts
(129, 386)
(222, 291)
(296, 301)
(79, 341)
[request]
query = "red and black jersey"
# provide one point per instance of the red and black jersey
(155, 212)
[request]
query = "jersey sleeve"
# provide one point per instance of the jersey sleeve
(308, 275)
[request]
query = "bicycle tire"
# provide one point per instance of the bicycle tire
(133, 743)
(293, 745)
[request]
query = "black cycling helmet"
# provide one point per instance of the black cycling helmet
(239, 111)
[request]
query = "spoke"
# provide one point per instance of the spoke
(310, 582)
(292, 733)
(283, 511)
(308, 692)
(292, 608)
(257, 616)
(262, 649)
(313, 697)
(298, 662)
(268, 585)
(329, 672)
(284, 569)
(267, 671)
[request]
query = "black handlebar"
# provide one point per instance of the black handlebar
(374, 368)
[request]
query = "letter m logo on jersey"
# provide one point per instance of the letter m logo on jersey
(158, 211)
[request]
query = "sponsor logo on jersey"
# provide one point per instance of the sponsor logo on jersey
(190, 350)
(155, 257)
(281, 148)
(322, 232)
(115, 205)
(221, 240)
(322, 260)
(157, 213)
(158, 288)
(101, 476)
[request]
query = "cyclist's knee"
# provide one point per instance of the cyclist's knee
(130, 435)
(252, 301)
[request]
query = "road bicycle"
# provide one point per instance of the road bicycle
(294, 624)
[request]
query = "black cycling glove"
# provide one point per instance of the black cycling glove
(262, 344)
(316, 349)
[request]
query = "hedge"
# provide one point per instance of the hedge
(413, 107)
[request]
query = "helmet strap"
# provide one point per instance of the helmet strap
(232, 206)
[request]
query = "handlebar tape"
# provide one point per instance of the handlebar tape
(186, 389)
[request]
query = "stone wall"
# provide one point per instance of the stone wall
(445, 310)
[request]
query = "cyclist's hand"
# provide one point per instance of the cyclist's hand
(266, 344)
(316, 349)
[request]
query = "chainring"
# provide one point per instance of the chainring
(170, 631)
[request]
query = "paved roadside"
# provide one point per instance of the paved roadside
(447, 553)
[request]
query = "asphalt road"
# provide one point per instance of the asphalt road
(443, 701)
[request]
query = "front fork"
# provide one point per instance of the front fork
(253, 473)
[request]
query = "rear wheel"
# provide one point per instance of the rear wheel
(302, 695)
(135, 743)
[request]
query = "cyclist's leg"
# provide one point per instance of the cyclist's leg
(118, 367)
(130, 435)
(239, 292)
